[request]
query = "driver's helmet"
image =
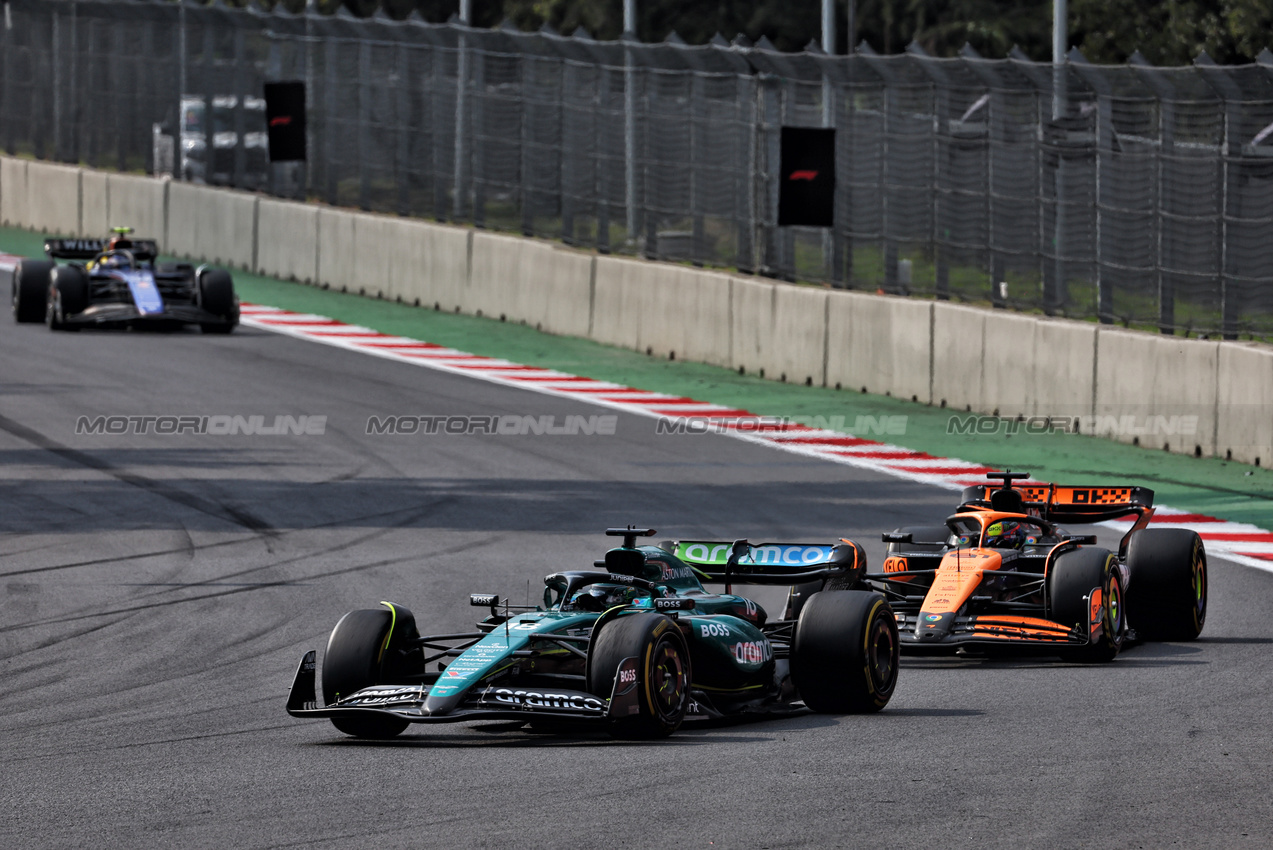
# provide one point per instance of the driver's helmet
(602, 597)
(1004, 534)
(113, 261)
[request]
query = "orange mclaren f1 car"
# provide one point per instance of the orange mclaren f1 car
(1001, 573)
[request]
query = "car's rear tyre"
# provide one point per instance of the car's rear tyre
(352, 662)
(1071, 580)
(844, 658)
(30, 290)
(663, 672)
(1167, 588)
(216, 292)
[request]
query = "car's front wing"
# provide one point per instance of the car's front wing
(990, 629)
(107, 313)
(406, 702)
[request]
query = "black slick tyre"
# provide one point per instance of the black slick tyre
(1072, 580)
(216, 296)
(67, 295)
(844, 659)
(352, 662)
(1167, 588)
(663, 672)
(30, 290)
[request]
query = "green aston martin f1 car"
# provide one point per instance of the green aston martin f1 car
(636, 645)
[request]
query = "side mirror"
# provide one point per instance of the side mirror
(484, 600)
(1082, 539)
(896, 537)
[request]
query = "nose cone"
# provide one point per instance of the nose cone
(933, 627)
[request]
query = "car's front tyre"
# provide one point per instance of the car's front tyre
(353, 661)
(1073, 579)
(30, 290)
(663, 672)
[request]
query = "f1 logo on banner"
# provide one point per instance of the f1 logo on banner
(806, 194)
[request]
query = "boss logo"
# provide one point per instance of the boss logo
(715, 630)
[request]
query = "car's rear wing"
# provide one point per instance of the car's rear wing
(742, 562)
(86, 249)
(1059, 503)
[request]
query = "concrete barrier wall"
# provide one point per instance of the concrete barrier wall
(798, 347)
(1244, 399)
(94, 205)
(411, 261)
(1012, 365)
(13, 193)
(1156, 391)
(880, 344)
(1187, 395)
(443, 275)
(287, 240)
(959, 346)
(751, 314)
(1063, 374)
(53, 198)
(668, 311)
(217, 225)
(139, 203)
(533, 282)
(336, 244)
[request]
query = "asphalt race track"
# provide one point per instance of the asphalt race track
(160, 589)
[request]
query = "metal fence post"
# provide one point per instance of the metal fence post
(1230, 153)
(526, 187)
(58, 153)
(329, 129)
(569, 84)
(240, 111)
(599, 181)
(475, 159)
(1166, 95)
(364, 123)
(6, 64)
(746, 224)
(461, 113)
(403, 167)
(629, 116)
